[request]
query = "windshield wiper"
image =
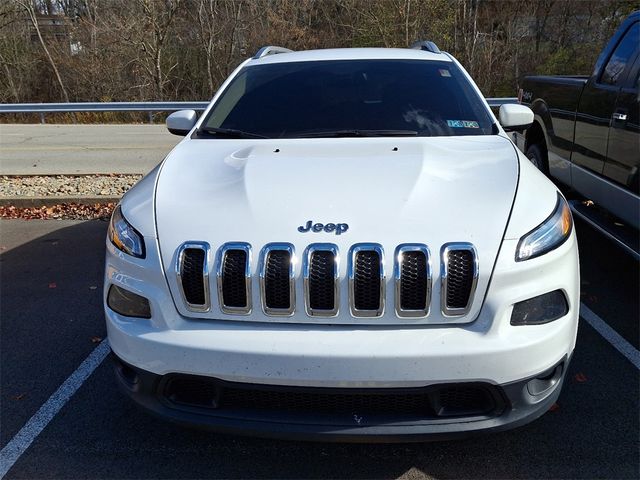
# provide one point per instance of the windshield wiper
(359, 133)
(228, 132)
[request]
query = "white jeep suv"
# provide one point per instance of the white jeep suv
(345, 246)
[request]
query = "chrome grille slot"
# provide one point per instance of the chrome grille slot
(234, 278)
(366, 280)
(320, 274)
(459, 277)
(192, 270)
(412, 280)
(277, 274)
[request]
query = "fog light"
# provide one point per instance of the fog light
(128, 303)
(541, 309)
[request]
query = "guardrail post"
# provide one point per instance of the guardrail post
(151, 117)
(42, 117)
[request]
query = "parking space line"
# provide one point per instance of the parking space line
(610, 335)
(10, 454)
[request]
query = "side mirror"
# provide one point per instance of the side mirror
(181, 122)
(515, 118)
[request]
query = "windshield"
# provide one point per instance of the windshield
(349, 98)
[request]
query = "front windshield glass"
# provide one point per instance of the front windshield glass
(350, 98)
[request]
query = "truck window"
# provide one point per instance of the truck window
(612, 74)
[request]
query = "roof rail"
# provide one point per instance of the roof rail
(270, 50)
(426, 46)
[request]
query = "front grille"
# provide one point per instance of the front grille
(459, 278)
(321, 282)
(413, 281)
(234, 292)
(366, 277)
(193, 275)
(432, 402)
(192, 278)
(366, 280)
(277, 279)
(234, 278)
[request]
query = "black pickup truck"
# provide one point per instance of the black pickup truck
(586, 134)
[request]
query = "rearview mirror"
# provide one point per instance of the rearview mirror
(515, 118)
(181, 122)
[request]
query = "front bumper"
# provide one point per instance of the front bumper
(508, 406)
(335, 358)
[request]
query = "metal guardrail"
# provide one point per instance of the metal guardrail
(149, 107)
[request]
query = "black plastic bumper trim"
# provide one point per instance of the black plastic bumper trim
(143, 388)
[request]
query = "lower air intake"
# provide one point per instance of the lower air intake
(331, 405)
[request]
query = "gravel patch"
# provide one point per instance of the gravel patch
(65, 185)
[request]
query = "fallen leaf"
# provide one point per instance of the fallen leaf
(20, 396)
(580, 377)
(554, 408)
(96, 339)
(52, 285)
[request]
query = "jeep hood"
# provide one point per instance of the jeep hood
(388, 190)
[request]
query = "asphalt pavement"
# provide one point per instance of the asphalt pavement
(82, 149)
(51, 315)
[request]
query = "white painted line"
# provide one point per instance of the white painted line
(10, 454)
(610, 335)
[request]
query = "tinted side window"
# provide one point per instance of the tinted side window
(612, 74)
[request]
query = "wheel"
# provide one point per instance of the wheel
(538, 155)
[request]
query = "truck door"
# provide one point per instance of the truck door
(623, 150)
(597, 105)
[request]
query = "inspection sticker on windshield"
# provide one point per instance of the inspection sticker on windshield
(444, 72)
(462, 124)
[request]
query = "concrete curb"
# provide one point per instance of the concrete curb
(36, 202)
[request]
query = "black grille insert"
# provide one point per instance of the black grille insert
(413, 281)
(191, 276)
(460, 277)
(337, 405)
(234, 282)
(277, 280)
(366, 280)
(322, 271)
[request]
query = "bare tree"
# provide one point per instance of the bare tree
(31, 12)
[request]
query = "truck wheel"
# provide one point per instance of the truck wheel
(538, 156)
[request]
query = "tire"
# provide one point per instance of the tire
(538, 155)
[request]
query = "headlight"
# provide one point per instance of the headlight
(548, 235)
(124, 236)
